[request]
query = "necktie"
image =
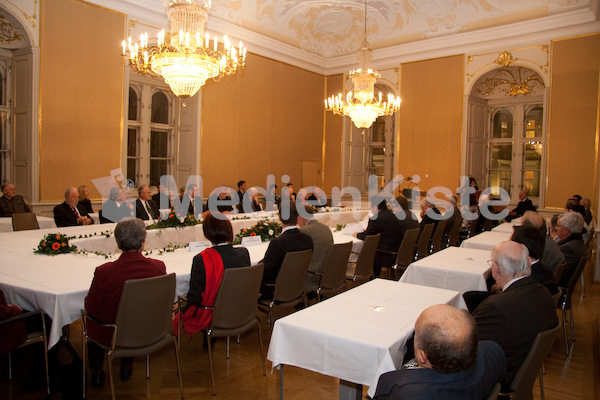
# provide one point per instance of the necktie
(74, 209)
(148, 210)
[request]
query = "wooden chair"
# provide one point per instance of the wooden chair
(565, 305)
(438, 236)
(406, 252)
(454, 234)
(531, 368)
(560, 268)
(143, 324)
(234, 310)
(24, 222)
(362, 271)
(333, 277)
(289, 284)
(424, 239)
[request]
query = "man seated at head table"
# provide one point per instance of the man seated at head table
(145, 208)
(102, 300)
(552, 257)
(449, 361)
(525, 204)
(69, 212)
(11, 202)
(162, 199)
(514, 317)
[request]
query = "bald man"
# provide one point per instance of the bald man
(552, 257)
(449, 362)
(514, 317)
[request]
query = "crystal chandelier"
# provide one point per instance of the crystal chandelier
(185, 57)
(362, 106)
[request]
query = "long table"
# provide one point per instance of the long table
(357, 335)
(454, 268)
(486, 240)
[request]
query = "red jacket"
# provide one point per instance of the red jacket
(103, 298)
(12, 334)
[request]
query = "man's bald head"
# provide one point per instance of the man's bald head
(445, 339)
(510, 261)
(532, 218)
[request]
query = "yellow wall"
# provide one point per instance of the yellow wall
(265, 119)
(81, 95)
(573, 131)
(430, 121)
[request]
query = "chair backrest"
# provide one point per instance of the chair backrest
(366, 258)
(557, 296)
(473, 227)
(522, 384)
(334, 269)
(423, 245)
(560, 268)
(495, 392)
(289, 284)
(237, 298)
(573, 281)
(24, 222)
(145, 310)
(438, 235)
(406, 251)
(488, 224)
(454, 234)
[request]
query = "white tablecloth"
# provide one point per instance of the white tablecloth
(453, 268)
(43, 222)
(358, 335)
(505, 227)
(486, 240)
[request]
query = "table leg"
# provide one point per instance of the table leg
(349, 391)
(280, 381)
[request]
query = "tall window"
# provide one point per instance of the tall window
(149, 133)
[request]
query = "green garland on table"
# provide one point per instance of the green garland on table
(175, 221)
(55, 243)
(265, 228)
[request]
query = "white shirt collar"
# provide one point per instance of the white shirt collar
(511, 282)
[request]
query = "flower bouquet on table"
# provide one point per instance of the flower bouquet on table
(55, 243)
(265, 228)
(175, 220)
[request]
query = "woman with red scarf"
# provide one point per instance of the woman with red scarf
(207, 272)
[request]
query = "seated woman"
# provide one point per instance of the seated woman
(84, 199)
(207, 272)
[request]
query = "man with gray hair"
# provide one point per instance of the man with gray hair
(552, 257)
(104, 295)
(570, 241)
(514, 317)
(11, 202)
(69, 212)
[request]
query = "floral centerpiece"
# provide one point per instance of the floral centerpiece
(175, 220)
(265, 228)
(55, 243)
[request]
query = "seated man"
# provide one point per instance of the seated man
(525, 204)
(570, 241)
(11, 202)
(384, 222)
(145, 208)
(116, 208)
(162, 199)
(291, 239)
(450, 218)
(103, 297)
(409, 221)
(449, 362)
(552, 257)
(69, 212)
(514, 317)
(322, 240)
(425, 218)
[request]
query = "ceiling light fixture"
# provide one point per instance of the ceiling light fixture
(362, 106)
(185, 57)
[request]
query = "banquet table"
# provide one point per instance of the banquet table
(506, 227)
(486, 240)
(454, 268)
(357, 335)
(43, 222)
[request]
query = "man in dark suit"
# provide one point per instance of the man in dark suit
(409, 221)
(291, 239)
(449, 362)
(102, 300)
(69, 212)
(552, 256)
(322, 240)
(525, 204)
(570, 241)
(116, 208)
(427, 208)
(240, 193)
(11, 202)
(514, 317)
(145, 207)
(384, 222)
(161, 198)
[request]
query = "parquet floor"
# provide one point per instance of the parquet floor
(241, 378)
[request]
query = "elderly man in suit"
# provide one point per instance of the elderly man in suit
(525, 204)
(552, 257)
(69, 212)
(322, 240)
(102, 300)
(145, 207)
(570, 241)
(11, 202)
(514, 317)
(291, 239)
(161, 198)
(449, 362)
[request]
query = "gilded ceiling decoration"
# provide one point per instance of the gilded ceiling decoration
(513, 81)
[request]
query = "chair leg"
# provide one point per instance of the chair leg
(212, 374)
(228, 347)
(147, 366)
(582, 285)
(45, 343)
(238, 339)
(262, 358)
(83, 359)
(565, 332)
(178, 370)
(110, 378)
(10, 368)
(541, 386)
(572, 325)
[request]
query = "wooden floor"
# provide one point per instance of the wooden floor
(241, 376)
